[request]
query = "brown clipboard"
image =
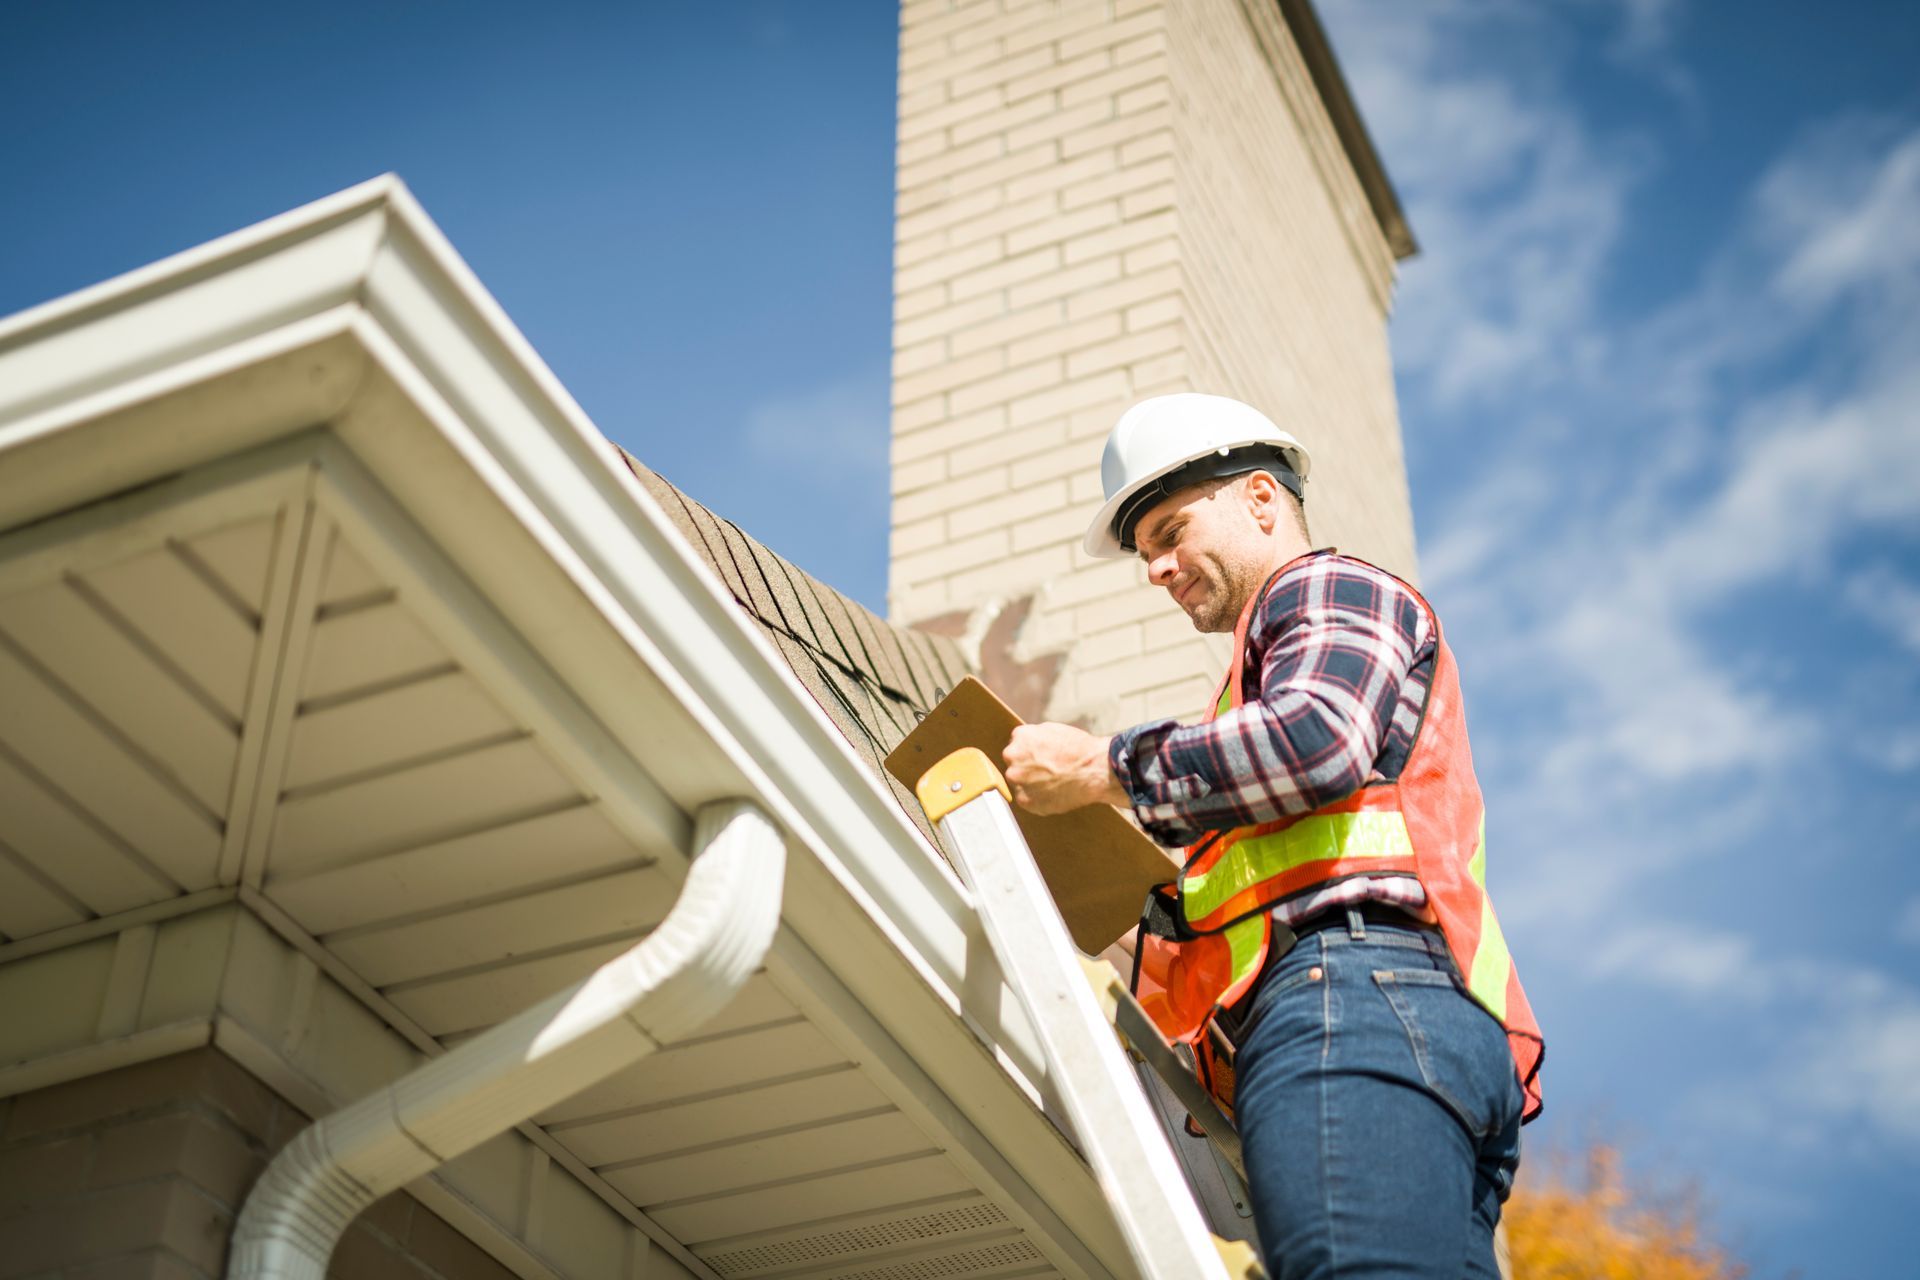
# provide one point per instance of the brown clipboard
(1097, 865)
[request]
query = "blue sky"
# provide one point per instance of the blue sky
(1659, 373)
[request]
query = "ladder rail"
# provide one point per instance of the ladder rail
(1118, 1131)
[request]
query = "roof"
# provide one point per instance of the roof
(874, 680)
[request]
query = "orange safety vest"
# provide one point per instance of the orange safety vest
(1429, 822)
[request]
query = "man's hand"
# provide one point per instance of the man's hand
(1053, 768)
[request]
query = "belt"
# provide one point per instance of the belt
(1380, 913)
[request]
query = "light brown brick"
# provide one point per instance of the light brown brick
(1123, 293)
(1009, 574)
(921, 535)
(1008, 326)
(919, 356)
(1005, 511)
(998, 71)
(938, 217)
(1068, 125)
(954, 556)
(947, 432)
(1005, 387)
(1145, 46)
(1114, 82)
(1112, 35)
(1121, 237)
(912, 150)
(1149, 145)
(1006, 271)
(1012, 165)
(909, 476)
(1006, 449)
(943, 267)
(1066, 525)
(909, 303)
(1002, 120)
(953, 373)
(1009, 216)
(1055, 176)
(950, 161)
(1153, 199)
(1154, 312)
(1065, 283)
(1058, 339)
(946, 497)
(1114, 181)
(952, 112)
(1065, 460)
(949, 320)
(1102, 388)
(1054, 74)
(1124, 132)
(1152, 94)
(919, 413)
(1123, 351)
(1063, 226)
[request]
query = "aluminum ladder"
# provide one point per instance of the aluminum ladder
(1076, 1006)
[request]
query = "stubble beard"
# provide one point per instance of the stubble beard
(1227, 594)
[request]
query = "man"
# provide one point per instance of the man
(1328, 951)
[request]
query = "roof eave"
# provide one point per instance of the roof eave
(1331, 83)
(342, 311)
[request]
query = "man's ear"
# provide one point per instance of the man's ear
(1261, 492)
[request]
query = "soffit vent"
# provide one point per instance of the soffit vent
(968, 1262)
(827, 1246)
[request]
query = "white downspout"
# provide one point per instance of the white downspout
(682, 973)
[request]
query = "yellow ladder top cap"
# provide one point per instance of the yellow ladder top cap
(956, 779)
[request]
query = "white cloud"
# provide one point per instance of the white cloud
(835, 430)
(1850, 1035)
(1848, 214)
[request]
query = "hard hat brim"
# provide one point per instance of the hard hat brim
(1102, 543)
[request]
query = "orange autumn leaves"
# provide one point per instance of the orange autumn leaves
(1598, 1227)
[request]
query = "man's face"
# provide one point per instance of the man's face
(1202, 544)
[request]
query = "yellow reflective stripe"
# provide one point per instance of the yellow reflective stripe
(1492, 963)
(1243, 942)
(1324, 838)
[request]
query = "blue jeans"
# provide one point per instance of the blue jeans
(1378, 1108)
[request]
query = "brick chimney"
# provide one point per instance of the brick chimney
(1097, 201)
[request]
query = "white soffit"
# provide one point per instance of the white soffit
(160, 429)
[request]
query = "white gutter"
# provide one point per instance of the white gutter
(682, 973)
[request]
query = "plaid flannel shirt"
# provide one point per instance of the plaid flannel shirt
(1343, 655)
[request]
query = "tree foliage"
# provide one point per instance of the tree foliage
(1598, 1226)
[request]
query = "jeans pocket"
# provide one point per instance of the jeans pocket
(1459, 1048)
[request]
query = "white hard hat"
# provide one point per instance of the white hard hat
(1194, 435)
